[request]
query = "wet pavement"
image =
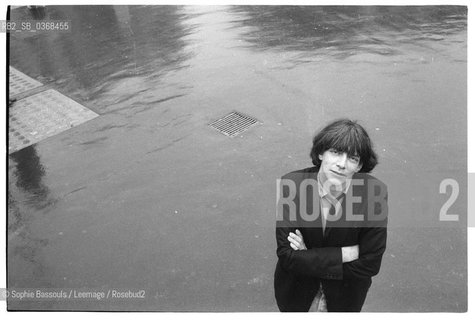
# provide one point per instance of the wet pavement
(148, 196)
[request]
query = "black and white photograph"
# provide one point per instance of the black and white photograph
(236, 157)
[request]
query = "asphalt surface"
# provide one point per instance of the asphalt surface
(148, 197)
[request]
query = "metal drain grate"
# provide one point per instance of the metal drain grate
(234, 123)
(20, 82)
(43, 115)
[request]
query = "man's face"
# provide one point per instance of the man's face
(338, 166)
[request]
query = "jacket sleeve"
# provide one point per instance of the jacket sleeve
(372, 244)
(371, 248)
(323, 263)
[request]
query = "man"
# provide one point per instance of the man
(331, 224)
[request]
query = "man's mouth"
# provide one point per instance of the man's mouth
(338, 174)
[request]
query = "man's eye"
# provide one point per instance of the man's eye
(355, 159)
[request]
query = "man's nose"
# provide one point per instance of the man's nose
(341, 162)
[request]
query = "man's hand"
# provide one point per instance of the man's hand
(349, 254)
(296, 240)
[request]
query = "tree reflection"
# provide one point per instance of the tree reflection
(371, 29)
(105, 43)
(28, 173)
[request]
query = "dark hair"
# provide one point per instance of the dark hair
(347, 136)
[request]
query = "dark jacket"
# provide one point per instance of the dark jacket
(299, 273)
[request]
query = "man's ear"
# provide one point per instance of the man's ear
(320, 156)
(359, 167)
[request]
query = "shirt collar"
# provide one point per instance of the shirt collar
(323, 192)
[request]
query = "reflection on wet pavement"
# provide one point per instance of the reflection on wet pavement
(28, 196)
(347, 30)
(27, 174)
(147, 196)
(106, 45)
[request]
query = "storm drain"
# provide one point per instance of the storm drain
(43, 115)
(20, 82)
(234, 123)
